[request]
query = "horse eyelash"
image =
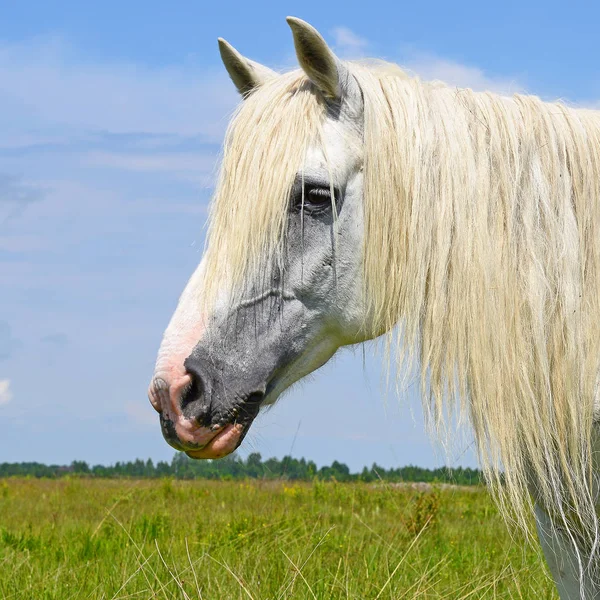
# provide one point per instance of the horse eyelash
(317, 191)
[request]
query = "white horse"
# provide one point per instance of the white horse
(354, 201)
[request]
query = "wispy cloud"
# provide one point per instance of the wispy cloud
(349, 44)
(432, 67)
(5, 392)
(101, 139)
(45, 87)
(191, 166)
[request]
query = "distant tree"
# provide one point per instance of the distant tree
(80, 466)
(254, 466)
(233, 467)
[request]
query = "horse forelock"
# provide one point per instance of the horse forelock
(265, 147)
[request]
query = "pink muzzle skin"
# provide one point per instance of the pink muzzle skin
(195, 440)
(171, 380)
(223, 443)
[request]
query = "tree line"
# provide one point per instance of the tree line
(235, 467)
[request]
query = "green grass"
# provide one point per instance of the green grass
(85, 538)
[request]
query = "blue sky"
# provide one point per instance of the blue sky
(112, 116)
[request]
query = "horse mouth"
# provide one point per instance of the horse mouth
(210, 440)
(223, 443)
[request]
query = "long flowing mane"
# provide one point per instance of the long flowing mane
(482, 244)
(265, 147)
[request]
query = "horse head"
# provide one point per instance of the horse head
(279, 288)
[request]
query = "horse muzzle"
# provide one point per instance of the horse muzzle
(198, 416)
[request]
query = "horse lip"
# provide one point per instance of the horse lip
(242, 426)
(235, 429)
(167, 428)
(223, 443)
(187, 434)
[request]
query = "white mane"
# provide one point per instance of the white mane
(482, 242)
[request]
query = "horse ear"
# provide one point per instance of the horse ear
(245, 73)
(318, 61)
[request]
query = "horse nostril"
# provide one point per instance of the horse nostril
(193, 399)
(195, 388)
(191, 392)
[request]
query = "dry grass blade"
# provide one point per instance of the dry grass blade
(417, 537)
(140, 567)
(32, 586)
(173, 576)
(134, 594)
(377, 535)
(109, 511)
(298, 570)
(187, 551)
(424, 577)
(234, 575)
(146, 560)
(306, 561)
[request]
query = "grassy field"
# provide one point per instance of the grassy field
(85, 538)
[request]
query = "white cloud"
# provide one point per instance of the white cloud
(347, 43)
(430, 67)
(187, 165)
(45, 88)
(61, 114)
(5, 393)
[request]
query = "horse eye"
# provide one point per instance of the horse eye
(317, 197)
(313, 198)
